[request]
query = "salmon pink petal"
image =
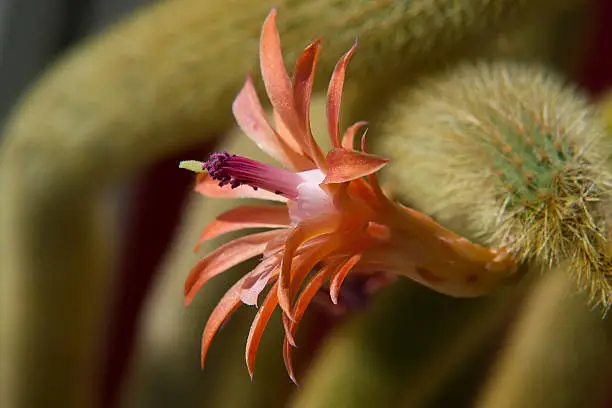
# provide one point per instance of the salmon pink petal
(343, 271)
(305, 264)
(246, 216)
(258, 326)
(346, 165)
(228, 304)
(301, 233)
(287, 357)
(377, 189)
(372, 178)
(205, 185)
(264, 267)
(250, 296)
(334, 96)
(276, 80)
(302, 303)
(251, 118)
(276, 245)
(287, 327)
(265, 273)
(364, 145)
(225, 257)
(287, 136)
(303, 79)
(348, 140)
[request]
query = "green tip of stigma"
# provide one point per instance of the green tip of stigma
(193, 165)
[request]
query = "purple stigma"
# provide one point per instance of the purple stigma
(237, 170)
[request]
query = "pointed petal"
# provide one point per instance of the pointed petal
(228, 304)
(372, 178)
(305, 264)
(346, 165)
(364, 146)
(302, 303)
(288, 361)
(276, 80)
(300, 234)
(250, 296)
(246, 216)
(205, 185)
(287, 327)
(348, 140)
(251, 118)
(343, 271)
(377, 189)
(284, 132)
(334, 96)
(258, 326)
(265, 273)
(303, 79)
(275, 246)
(225, 257)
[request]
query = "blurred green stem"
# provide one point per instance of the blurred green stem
(401, 349)
(558, 355)
(54, 278)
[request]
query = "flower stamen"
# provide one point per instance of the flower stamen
(238, 170)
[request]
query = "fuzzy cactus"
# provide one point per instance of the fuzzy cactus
(510, 156)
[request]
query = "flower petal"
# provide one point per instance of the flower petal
(303, 79)
(287, 136)
(372, 178)
(246, 216)
(301, 233)
(274, 73)
(228, 304)
(276, 245)
(346, 165)
(306, 262)
(225, 257)
(258, 279)
(334, 96)
(251, 118)
(348, 140)
(258, 326)
(343, 271)
(205, 185)
(309, 291)
(287, 327)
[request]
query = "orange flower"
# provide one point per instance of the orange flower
(336, 220)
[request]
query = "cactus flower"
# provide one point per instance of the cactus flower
(334, 220)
